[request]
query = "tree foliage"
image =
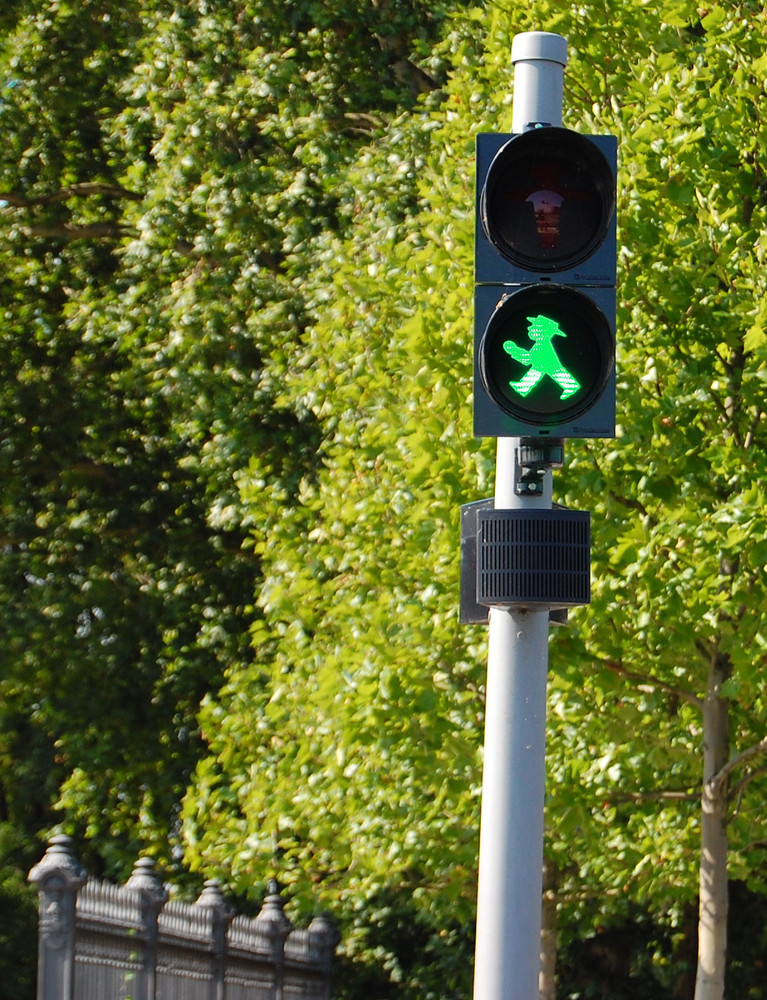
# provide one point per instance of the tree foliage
(166, 170)
(369, 691)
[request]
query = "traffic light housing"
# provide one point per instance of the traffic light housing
(544, 343)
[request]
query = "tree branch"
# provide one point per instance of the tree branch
(751, 434)
(652, 682)
(630, 502)
(70, 191)
(580, 897)
(718, 780)
(668, 795)
(737, 791)
(71, 231)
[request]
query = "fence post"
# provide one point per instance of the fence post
(212, 899)
(325, 933)
(58, 878)
(272, 922)
(145, 880)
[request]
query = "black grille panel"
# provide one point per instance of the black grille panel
(533, 558)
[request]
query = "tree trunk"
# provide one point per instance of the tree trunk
(712, 922)
(547, 985)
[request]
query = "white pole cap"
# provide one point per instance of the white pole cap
(539, 45)
(539, 59)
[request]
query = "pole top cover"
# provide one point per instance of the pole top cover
(539, 45)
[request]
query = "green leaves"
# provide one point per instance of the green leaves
(376, 697)
(165, 178)
(236, 337)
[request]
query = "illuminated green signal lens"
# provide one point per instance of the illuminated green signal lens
(541, 359)
(546, 353)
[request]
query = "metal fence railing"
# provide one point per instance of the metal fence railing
(99, 941)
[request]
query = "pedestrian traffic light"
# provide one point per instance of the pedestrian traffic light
(544, 344)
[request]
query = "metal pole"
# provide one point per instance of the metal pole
(507, 954)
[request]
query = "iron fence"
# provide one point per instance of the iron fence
(99, 941)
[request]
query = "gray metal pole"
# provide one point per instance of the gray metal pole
(507, 954)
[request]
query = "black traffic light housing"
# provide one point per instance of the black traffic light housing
(545, 264)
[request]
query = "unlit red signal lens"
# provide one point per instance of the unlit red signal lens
(548, 199)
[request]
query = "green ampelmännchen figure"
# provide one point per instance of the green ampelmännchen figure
(542, 358)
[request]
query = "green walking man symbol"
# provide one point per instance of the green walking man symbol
(542, 358)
